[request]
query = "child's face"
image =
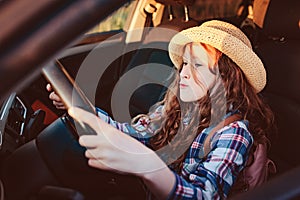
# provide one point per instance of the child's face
(196, 77)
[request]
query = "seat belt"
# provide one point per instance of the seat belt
(148, 10)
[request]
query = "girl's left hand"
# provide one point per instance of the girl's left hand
(113, 150)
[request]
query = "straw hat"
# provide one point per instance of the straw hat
(228, 39)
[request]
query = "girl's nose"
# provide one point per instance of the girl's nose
(185, 72)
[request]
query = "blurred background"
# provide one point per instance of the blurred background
(202, 9)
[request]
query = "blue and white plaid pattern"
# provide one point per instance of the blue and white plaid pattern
(208, 178)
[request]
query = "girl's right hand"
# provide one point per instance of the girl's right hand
(57, 102)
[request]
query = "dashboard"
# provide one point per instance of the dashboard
(13, 116)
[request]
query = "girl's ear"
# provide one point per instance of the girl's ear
(213, 54)
(217, 57)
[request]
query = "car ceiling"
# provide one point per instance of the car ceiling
(35, 35)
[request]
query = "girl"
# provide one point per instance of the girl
(218, 76)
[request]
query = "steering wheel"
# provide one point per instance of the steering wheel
(70, 93)
(56, 160)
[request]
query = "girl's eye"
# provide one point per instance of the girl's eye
(184, 63)
(197, 65)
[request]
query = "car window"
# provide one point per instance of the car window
(214, 9)
(208, 9)
(115, 21)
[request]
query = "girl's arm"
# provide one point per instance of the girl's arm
(113, 150)
(200, 179)
(146, 131)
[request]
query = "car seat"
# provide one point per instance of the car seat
(153, 57)
(279, 49)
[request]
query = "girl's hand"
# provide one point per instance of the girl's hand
(57, 102)
(113, 150)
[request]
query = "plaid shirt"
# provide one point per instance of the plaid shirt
(209, 178)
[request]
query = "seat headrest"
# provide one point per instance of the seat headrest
(176, 2)
(278, 17)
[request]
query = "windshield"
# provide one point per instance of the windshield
(115, 21)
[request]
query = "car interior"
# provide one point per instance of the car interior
(279, 49)
(40, 155)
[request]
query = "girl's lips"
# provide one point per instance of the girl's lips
(183, 85)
